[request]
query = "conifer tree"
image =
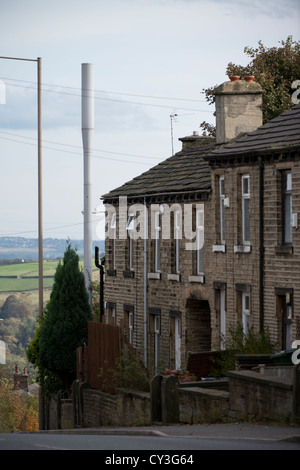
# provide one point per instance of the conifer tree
(66, 325)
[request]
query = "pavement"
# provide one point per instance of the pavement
(243, 431)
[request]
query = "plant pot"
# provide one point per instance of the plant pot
(249, 78)
(234, 78)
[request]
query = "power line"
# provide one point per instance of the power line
(77, 146)
(125, 94)
(108, 92)
(75, 153)
(121, 101)
(45, 229)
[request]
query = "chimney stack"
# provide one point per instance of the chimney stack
(21, 381)
(195, 142)
(87, 129)
(238, 109)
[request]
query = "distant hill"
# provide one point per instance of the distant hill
(27, 248)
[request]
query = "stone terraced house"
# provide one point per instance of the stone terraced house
(256, 259)
(209, 238)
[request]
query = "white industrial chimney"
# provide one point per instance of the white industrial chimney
(87, 120)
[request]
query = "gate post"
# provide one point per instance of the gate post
(170, 400)
(155, 399)
(296, 393)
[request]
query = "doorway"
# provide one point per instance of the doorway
(198, 322)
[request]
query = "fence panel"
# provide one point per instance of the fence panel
(104, 349)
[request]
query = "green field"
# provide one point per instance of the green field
(24, 276)
(26, 269)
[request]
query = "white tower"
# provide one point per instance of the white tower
(87, 120)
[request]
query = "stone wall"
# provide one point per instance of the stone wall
(127, 408)
(201, 405)
(59, 413)
(250, 395)
(254, 395)
(282, 263)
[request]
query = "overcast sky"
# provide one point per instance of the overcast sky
(152, 59)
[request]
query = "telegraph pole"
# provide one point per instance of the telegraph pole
(40, 185)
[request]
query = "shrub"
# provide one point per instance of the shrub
(129, 372)
(18, 412)
(240, 343)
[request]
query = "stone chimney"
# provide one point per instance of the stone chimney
(21, 381)
(238, 109)
(195, 141)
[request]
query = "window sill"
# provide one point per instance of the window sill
(284, 250)
(111, 272)
(154, 276)
(174, 277)
(242, 248)
(128, 273)
(199, 279)
(219, 248)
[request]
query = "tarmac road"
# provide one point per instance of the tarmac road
(175, 438)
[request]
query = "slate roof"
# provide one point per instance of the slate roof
(281, 133)
(186, 171)
(189, 170)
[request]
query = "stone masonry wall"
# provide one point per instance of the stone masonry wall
(263, 397)
(124, 409)
(229, 266)
(282, 267)
(168, 293)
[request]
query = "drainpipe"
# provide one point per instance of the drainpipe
(99, 266)
(261, 245)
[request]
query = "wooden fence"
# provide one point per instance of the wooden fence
(97, 362)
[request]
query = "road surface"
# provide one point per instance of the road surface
(156, 443)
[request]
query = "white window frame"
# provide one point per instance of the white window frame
(113, 227)
(222, 210)
(156, 340)
(245, 211)
(246, 313)
(157, 265)
(130, 326)
(130, 227)
(177, 235)
(111, 314)
(177, 333)
(287, 210)
(222, 319)
(200, 239)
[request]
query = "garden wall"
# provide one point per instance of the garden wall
(256, 395)
(202, 405)
(251, 395)
(126, 408)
